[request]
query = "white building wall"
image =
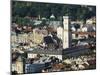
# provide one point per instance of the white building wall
(13, 38)
(73, 36)
(13, 67)
(60, 32)
(66, 32)
(19, 67)
(31, 55)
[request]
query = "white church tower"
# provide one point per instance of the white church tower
(66, 33)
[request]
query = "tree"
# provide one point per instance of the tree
(36, 9)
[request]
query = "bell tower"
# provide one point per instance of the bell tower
(66, 32)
